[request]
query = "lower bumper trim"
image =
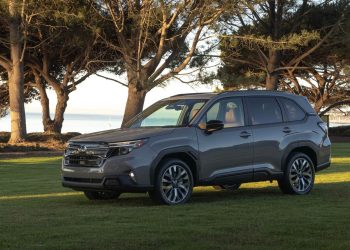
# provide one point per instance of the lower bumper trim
(116, 183)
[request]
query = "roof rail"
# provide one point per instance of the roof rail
(247, 90)
(198, 93)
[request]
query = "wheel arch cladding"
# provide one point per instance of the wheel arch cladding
(309, 151)
(184, 156)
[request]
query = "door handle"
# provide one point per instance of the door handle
(245, 134)
(287, 130)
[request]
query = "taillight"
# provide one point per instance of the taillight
(323, 126)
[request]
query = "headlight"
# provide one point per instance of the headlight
(123, 148)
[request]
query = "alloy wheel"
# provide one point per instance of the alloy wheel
(175, 184)
(301, 176)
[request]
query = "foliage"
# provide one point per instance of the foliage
(156, 39)
(323, 77)
(272, 36)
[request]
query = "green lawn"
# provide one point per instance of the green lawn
(36, 212)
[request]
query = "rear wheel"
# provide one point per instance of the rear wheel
(232, 187)
(101, 195)
(173, 183)
(299, 175)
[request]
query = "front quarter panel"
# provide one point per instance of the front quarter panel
(181, 140)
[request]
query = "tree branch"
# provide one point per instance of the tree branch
(337, 104)
(111, 79)
(5, 63)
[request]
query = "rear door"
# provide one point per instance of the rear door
(266, 119)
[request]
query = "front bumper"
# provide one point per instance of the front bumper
(117, 183)
(113, 174)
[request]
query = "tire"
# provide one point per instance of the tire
(299, 175)
(101, 195)
(173, 183)
(232, 187)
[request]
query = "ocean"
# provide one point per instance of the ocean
(82, 123)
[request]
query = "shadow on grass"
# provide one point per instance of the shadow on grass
(335, 168)
(322, 191)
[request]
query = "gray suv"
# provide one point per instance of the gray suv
(218, 139)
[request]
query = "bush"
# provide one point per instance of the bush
(340, 131)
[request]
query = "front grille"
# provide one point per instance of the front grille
(85, 154)
(83, 160)
(82, 180)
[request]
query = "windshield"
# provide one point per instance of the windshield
(169, 113)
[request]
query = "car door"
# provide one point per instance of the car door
(225, 155)
(266, 119)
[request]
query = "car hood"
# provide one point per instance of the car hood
(119, 135)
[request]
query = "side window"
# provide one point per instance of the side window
(264, 110)
(196, 107)
(230, 111)
(213, 112)
(293, 111)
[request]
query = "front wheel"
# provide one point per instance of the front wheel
(101, 195)
(299, 175)
(173, 183)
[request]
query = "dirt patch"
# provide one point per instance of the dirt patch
(36, 142)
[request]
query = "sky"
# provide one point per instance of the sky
(99, 96)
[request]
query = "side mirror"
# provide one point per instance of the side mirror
(213, 125)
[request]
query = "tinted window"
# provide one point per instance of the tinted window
(194, 110)
(167, 113)
(293, 111)
(264, 110)
(229, 111)
(213, 112)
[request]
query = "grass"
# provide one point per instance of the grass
(37, 213)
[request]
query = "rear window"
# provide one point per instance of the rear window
(264, 110)
(293, 111)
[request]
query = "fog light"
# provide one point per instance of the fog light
(132, 176)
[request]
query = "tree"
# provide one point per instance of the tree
(64, 53)
(29, 94)
(269, 38)
(11, 59)
(156, 40)
(324, 77)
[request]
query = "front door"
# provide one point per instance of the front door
(226, 155)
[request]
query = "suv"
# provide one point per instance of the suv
(220, 139)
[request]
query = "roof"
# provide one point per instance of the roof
(209, 95)
(301, 100)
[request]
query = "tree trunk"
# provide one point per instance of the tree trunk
(61, 106)
(272, 76)
(45, 104)
(16, 77)
(134, 103)
(55, 126)
(318, 105)
(52, 126)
